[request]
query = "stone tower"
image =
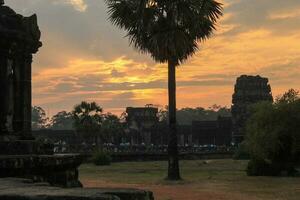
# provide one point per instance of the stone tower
(248, 91)
(19, 39)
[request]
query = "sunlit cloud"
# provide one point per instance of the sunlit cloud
(84, 57)
(79, 5)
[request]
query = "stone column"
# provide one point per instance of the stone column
(7, 93)
(27, 96)
(18, 118)
(3, 94)
(19, 39)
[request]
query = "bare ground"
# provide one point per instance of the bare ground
(216, 179)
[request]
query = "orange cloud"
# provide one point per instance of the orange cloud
(66, 73)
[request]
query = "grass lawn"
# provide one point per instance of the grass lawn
(212, 179)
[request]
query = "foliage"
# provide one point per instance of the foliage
(273, 136)
(288, 97)
(62, 121)
(112, 128)
(241, 153)
(39, 119)
(257, 167)
(185, 116)
(101, 158)
(88, 119)
(166, 29)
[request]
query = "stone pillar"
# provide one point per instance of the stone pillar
(3, 92)
(19, 39)
(27, 96)
(18, 119)
(7, 92)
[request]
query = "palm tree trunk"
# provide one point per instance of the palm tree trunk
(173, 164)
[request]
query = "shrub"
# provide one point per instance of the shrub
(273, 137)
(101, 158)
(263, 168)
(241, 153)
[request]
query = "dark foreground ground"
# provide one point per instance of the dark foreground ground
(24, 189)
(213, 179)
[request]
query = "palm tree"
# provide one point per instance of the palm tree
(112, 128)
(88, 119)
(170, 31)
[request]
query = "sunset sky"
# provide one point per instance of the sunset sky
(84, 57)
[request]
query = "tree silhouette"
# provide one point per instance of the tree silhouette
(112, 128)
(39, 118)
(88, 119)
(62, 121)
(170, 31)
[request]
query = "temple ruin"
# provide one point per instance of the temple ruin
(21, 156)
(248, 90)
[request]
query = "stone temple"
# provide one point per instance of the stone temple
(20, 38)
(248, 91)
(21, 156)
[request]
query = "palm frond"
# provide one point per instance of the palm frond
(166, 29)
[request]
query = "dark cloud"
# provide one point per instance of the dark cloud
(256, 14)
(64, 88)
(215, 77)
(119, 101)
(275, 72)
(116, 73)
(205, 83)
(67, 31)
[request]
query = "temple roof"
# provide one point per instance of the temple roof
(5, 10)
(22, 30)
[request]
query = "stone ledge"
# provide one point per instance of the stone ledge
(59, 170)
(23, 147)
(23, 189)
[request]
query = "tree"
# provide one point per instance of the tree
(38, 118)
(186, 116)
(62, 121)
(288, 97)
(273, 137)
(112, 128)
(170, 31)
(88, 120)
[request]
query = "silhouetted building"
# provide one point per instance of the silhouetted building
(141, 123)
(22, 155)
(68, 136)
(212, 132)
(184, 133)
(248, 91)
(143, 127)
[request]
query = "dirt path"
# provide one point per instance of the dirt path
(187, 191)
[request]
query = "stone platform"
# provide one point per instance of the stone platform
(25, 147)
(58, 170)
(23, 189)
